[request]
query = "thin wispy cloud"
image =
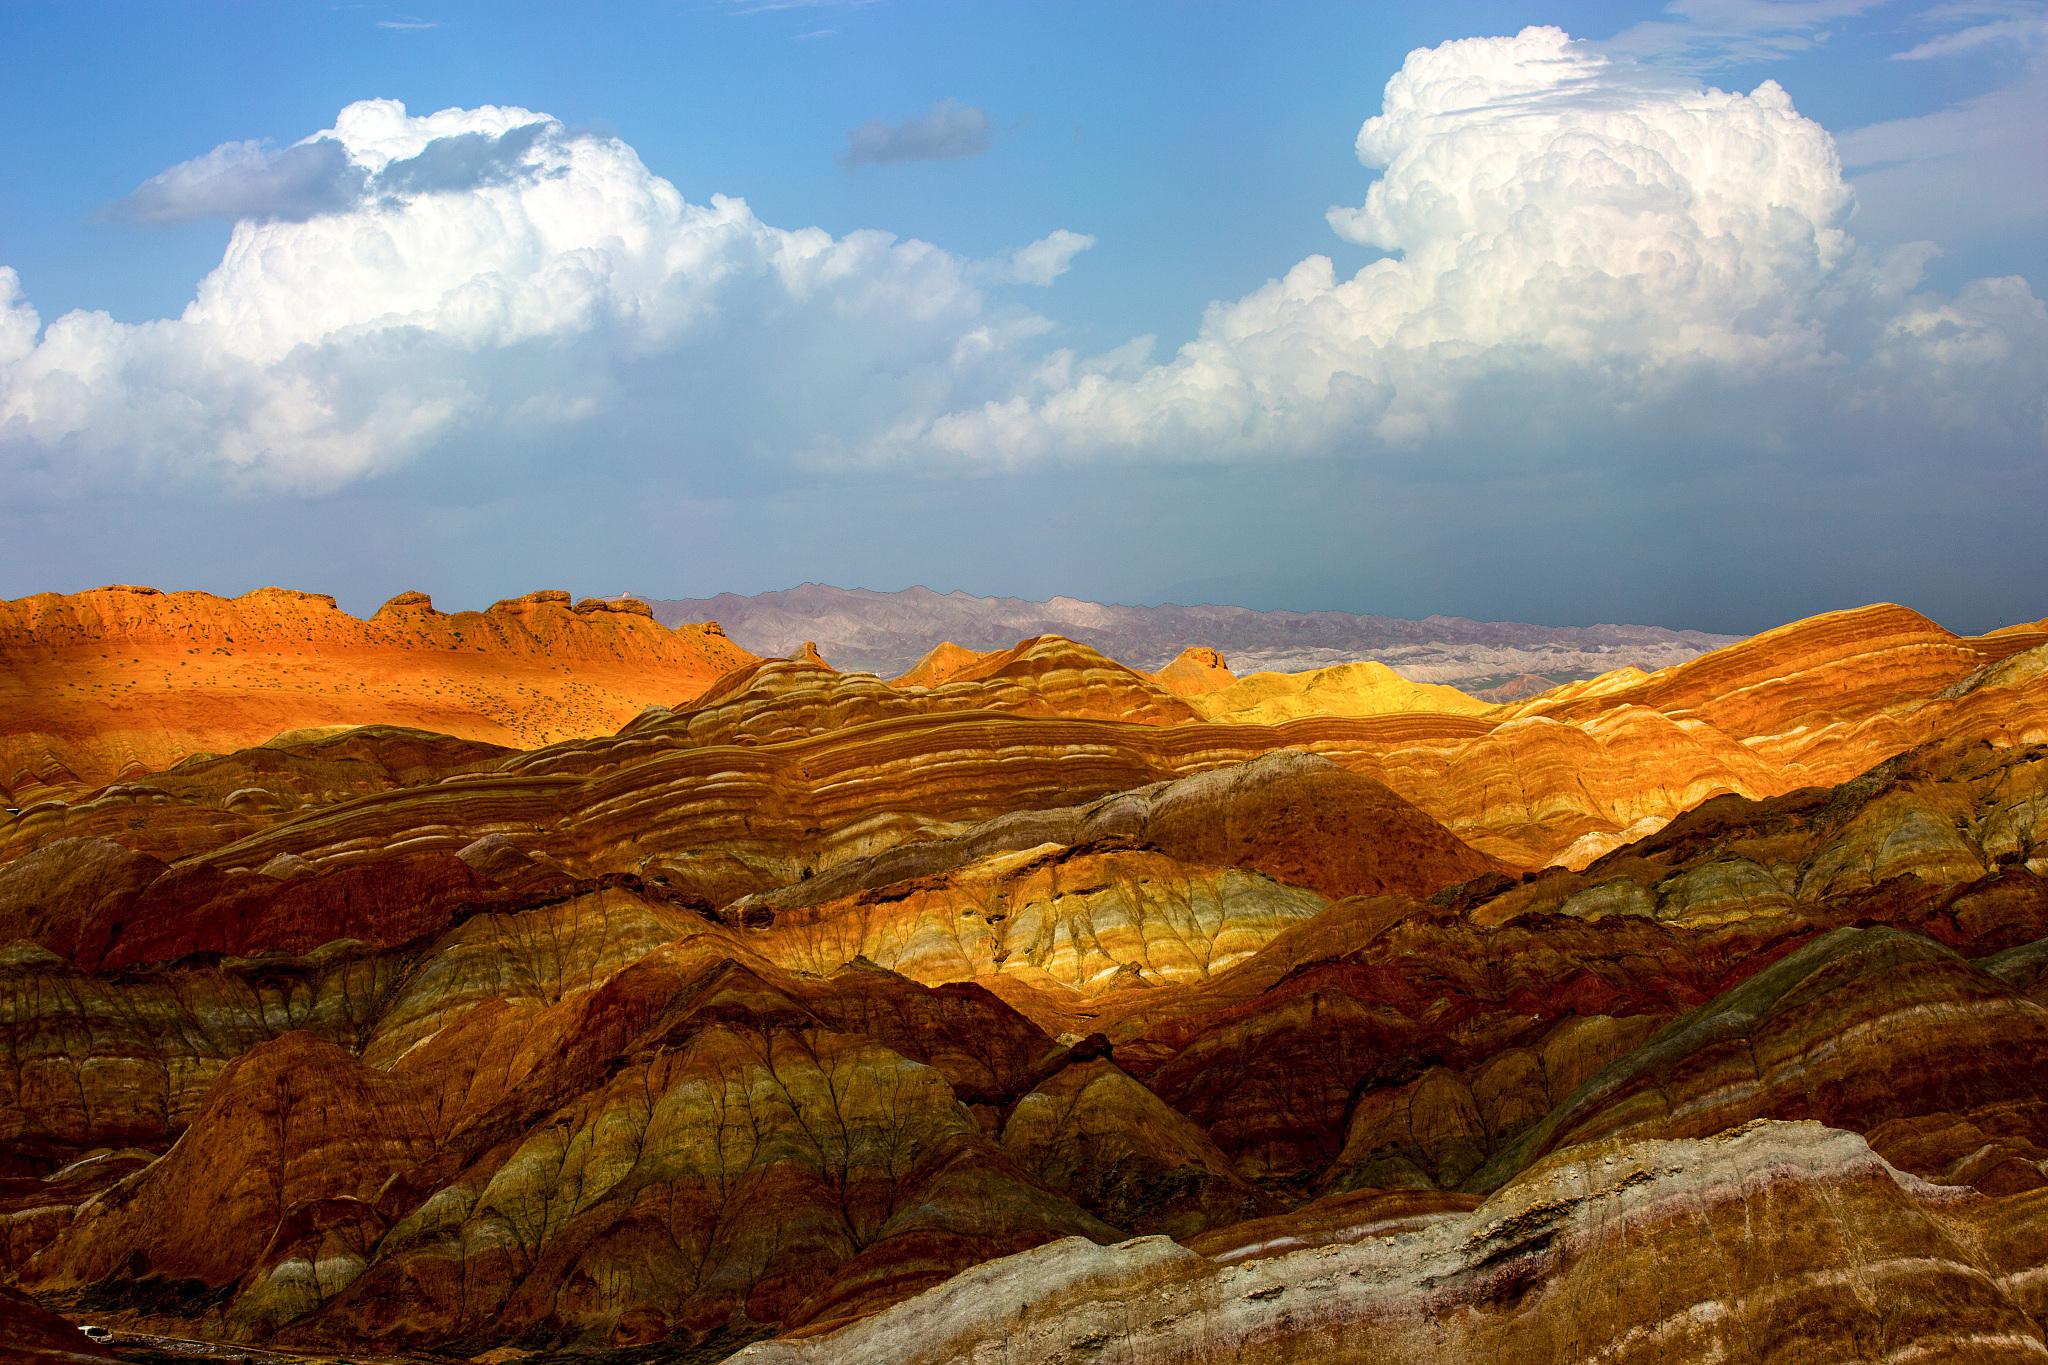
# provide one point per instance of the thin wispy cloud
(408, 25)
(947, 131)
(1979, 165)
(1975, 28)
(255, 180)
(261, 182)
(1712, 33)
(777, 6)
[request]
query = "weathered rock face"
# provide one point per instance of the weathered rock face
(1564, 777)
(784, 699)
(1822, 699)
(1439, 1130)
(1575, 772)
(1964, 1102)
(1359, 689)
(1170, 882)
(722, 820)
(1518, 688)
(946, 662)
(860, 1015)
(290, 1125)
(1787, 1239)
(1195, 671)
(36, 1336)
(541, 1093)
(1101, 1138)
(1090, 920)
(1952, 812)
(118, 680)
(1533, 790)
(651, 1192)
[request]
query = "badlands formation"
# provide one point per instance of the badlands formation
(1029, 1007)
(128, 680)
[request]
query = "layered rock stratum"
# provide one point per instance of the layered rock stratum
(1035, 1007)
(130, 679)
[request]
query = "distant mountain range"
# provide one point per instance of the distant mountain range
(888, 632)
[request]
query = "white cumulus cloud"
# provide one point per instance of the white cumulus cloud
(1568, 242)
(1048, 258)
(1553, 216)
(474, 267)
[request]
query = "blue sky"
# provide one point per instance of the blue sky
(1199, 146)
(1136, 122)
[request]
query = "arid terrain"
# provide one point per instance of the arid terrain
(129, 679)
(550, 982)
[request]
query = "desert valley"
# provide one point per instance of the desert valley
(547, 980)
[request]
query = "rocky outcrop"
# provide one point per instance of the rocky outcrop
(1947, 813)
(36, 1336)
(1090, 920)
(1301, 819)
(1563, 778)
(1378, 1044)
(1791, 1235)
(800, 696)
(1963, 1103)
(1105, 1141)
(1819, 699)
(1355, 689)
(945, 663)
(1438, 1130)
(558, 1127)
(1195, 671)
(1810, 704)
(121, 680)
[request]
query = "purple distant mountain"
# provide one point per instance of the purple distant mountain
(887, 632)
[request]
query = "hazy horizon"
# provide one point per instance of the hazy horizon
(365, 605)
(1704, 315)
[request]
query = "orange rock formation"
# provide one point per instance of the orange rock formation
(1196, 671)
(1688, 1016)
(127, 679)
(946, 662)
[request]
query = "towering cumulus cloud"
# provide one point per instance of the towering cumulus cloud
(1563, 236)
(1550, 215)
(476, 266)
